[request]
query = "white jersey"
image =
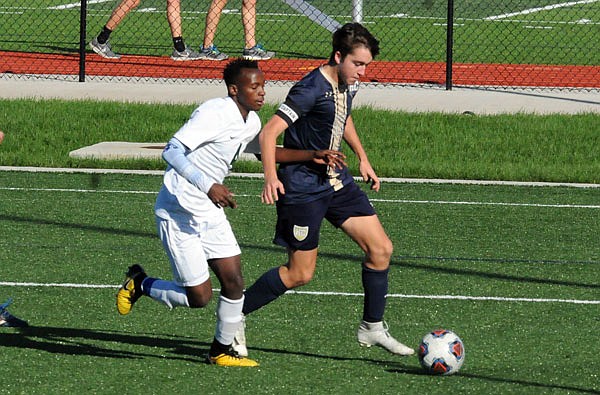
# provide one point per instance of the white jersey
(215, 134)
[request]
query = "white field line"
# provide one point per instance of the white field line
(264, 15)
(487, 203)
(539, 9)
(75, 5)
(342, 294)
(56, 285)
(455, 297)
(70, 190)
(31, 169)
(73, 190)
(259, 175)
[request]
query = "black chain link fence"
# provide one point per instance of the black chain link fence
(520, 43)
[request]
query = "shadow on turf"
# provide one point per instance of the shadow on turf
(72, 341)
(400, 262)
(94, 228)
(404, 262)
(75, 341)
(524, 383)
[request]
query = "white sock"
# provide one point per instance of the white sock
(229, 318)
(169, 293)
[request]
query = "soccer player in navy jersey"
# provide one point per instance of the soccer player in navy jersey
(313, 183)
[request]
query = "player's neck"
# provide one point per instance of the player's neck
(331, 72)
(243, 111)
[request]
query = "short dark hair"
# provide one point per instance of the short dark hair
(350, 36)
(234, 69)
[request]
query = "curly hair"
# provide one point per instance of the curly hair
(234, 69)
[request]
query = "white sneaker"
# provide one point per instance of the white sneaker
(257, 52)
(239, 340)
(103, 50)
(186, 54)
(376, 334)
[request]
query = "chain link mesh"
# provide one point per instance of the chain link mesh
(529, 43)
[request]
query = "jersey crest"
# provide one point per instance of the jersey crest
(300, 232)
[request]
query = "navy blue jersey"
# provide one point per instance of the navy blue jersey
(316, 110)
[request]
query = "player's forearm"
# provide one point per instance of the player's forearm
(356, 146)
(293, 155)
(353, 141)
(268, 143)
(268, 154)
(175, 155)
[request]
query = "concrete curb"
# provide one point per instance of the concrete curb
(396, 97)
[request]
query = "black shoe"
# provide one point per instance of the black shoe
(131, 290)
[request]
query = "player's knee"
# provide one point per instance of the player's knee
(388, 249)
(301, 278)
(198, 300)
(233, 287)
(381, 253)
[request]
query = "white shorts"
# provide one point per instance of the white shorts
(190, 246)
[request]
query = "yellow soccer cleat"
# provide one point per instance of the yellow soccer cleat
(231, 358)
(131, 289)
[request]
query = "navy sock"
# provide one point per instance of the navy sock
(178, 44)
(375, 285)
(265, 290)
(146, 285)
(104, 35)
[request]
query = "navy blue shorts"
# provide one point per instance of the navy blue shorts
(298, 225)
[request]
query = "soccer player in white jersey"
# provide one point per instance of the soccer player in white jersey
(190, 214)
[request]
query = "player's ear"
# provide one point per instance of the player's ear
(337, 56)
(232, 90)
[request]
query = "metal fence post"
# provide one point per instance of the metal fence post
(82, 40)
(357, 11)
(449, 44)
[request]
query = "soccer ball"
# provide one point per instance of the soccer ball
(441, 352)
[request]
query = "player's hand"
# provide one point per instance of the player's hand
(221, 196)
(331, 158)
(271, 190)
(368, 175)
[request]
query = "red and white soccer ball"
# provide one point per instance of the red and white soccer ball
(441, 352)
